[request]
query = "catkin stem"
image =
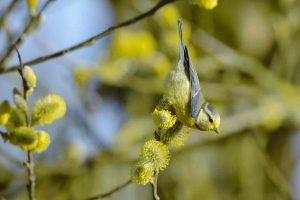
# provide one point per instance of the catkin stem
(30, 162)
(154, 187)
(31, 176)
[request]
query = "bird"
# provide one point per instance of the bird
(183, 92)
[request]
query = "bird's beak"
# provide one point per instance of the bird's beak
(217, 130)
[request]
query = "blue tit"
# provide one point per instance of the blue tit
(183, 92)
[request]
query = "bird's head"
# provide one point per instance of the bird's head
(208, 118)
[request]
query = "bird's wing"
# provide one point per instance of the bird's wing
(196, 95)
(195, 91)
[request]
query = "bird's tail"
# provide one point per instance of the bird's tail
(181, 44)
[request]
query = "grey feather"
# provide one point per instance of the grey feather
(196, 95)
(196, 98)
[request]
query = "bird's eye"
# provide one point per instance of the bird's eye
(211, 120)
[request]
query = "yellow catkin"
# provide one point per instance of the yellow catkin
(141, 173)
(178, 138)
(82, 76)
(156, 154)
(29, 76)
(43, 141)
(4, 112)
(17, 119)
(20, 102)
(127, 43)
(168, 15)
(23, 137)
(48, 109)
(207, 4)
(163, 118)
(32, 6)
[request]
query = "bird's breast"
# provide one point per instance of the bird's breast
(177, 91)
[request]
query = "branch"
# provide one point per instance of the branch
(154, 187)
(21, 39)
(100, 196)
(93, 39)
(30, 162)
(31, 175)
(9, 9)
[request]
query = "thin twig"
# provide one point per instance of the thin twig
(100, 196)
(21, 39)
(93, 39)
(31, 176)
(20, 70)
(3, 21)
(30, 162)
(9, 9)
(154, 187)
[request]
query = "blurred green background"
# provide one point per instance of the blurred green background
(247, 55)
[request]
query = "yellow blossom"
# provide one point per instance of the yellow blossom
(133, 44)
(82, 75)
(17, 119)
(163, 118)
(114, 71)
(156, 154)
(168, 15)
(4, 112)
(29, 76)
(141, 173)
(48, 109)
(43, 141)
(207, 4)
(159, 63)
(32, 5)
(20, 102)
(23, 137)
(178, 137)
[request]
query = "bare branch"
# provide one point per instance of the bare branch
(31, 175)
(93, 39)
(9, 9)
(21, 39)
(30, 162)
(100, 196)
(20, 70)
